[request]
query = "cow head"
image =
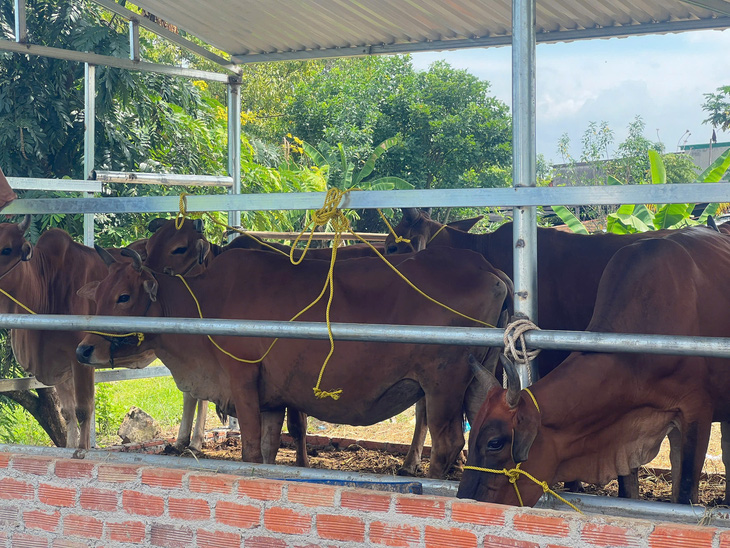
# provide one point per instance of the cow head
(418, 227)
(501, 436)
(128, 290)
(176, 251)
(14, 248)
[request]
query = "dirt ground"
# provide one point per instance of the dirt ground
(655, 480)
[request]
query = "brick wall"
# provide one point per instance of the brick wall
(54, 502)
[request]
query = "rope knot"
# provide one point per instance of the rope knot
(512, 475)
(514, 333)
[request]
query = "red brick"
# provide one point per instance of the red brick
(365, 502)
(66, 543)
(541, 525)
(237, 515)
(725, 539)
(343, 528)
(145, 505)
(117, 473)
(9, 516)
(494, 541)
(420, 507)
(311, 495)
(684, 536)
(211, 484)
(11, 489)
(73, 469)
(264, 542)
(608, 535)
(343, 443)
(457, 538)
(132, 532)
(394, 535)
(20, 540)
(217, 539)
(260, 489)
(170, 536)
(370, 444)
(162, 477)
(38, 466)
(319, 441)
(188, 509)
(47, 521)
(82, 526)
(4, 460)
(56, 496)
(283, 520)
(478, 514)
(98, 499)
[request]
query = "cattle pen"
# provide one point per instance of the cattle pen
(93, 498)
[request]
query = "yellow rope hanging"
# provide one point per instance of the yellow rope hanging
(140, 336)
(436, 234)
(398, 238)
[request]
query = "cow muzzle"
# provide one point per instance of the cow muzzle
(84, 353)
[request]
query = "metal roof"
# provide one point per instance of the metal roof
(268, 30)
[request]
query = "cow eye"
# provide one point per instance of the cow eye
(179, 250)
(7, 250)
(495, 444)
(123, 298)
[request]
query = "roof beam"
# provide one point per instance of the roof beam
(718, 6)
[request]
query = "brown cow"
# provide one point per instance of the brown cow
(377, 380)
(602, 414)
(45, 278)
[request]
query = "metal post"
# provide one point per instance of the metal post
(234, 143)
(89, 148)
(523, 163)
(21, 33)
(134, 40)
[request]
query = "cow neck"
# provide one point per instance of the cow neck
(25, 282)
(495, 246)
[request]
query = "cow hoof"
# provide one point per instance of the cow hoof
(409, 472)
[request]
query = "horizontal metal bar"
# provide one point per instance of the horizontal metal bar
(461, 336)
(106, 60)
(490, 41)
(60, 185)
(161, 178)
(320, 236)
(105, 375)
(471, 197)
(112, 6)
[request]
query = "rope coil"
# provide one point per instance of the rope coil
(514, 333)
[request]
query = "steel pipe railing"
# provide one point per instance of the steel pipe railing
(135, 177)
(718, 347)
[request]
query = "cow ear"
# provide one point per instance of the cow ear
(26, 251)
(198, 225)
(526, 423)
(465, 225)
(203, 248)
(155, 224)
(88, 291)
(150, 287)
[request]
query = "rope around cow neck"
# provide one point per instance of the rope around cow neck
(513, 474)
(331, 213)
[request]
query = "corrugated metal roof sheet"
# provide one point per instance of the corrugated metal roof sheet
(258, 30)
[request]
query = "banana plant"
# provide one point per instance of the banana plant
(630, 218)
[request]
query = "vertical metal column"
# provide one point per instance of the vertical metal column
(89, 148)
(21, 33)
(523, 162)
(234, 142)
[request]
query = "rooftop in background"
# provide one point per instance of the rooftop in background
(704, 154)
(255, 31)
(685, 148)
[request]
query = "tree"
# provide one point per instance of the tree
(717, 105)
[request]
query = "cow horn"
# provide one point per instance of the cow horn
(427, 210)
(476, 393)
(712, 224)
(136, 258)
(24, 224)
(410, 214)
(513, 381)
(155, 224)
(198, 225)
(107, 257)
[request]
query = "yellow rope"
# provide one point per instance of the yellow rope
(140, 336)
(398, 238)
(534, 400)
(436, 234)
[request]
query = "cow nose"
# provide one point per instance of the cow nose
(84, 352)
(391, 249)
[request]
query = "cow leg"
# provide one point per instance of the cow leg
(244, 380)
(628, 486)
(694, 437)
(725, 444)
(447, 437)
(271, 423)
(412, 463)
(296, 423)
(67, 402)
(84, 389)
(186, 421)
(198, 435)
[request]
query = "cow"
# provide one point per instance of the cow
(598, 415)
(45, 278)
(378, 380)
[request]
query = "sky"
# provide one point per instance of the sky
(661, 78)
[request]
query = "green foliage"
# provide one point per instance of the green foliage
(717, 106)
